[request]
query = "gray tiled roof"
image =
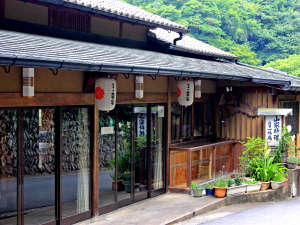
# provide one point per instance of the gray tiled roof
(22, 49)
(189, 44)
(124, 11)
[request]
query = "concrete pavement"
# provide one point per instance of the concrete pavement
(268, 213)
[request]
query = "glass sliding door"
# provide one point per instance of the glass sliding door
(140, 152)
(39, 166)
(75, 161)
(8, 167)
(124, 163)
(108, 183)
(157, 147)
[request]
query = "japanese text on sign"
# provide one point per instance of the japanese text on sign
(273, 129)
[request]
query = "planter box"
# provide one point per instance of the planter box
(275, 185)
(253, 187)
(236, 189)
(198, 192)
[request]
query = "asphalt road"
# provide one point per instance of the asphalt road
(275, 213)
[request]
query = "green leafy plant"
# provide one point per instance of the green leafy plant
(194, 186)
(264, 169)
(279, 178)
(230, 182)
(238, 181)
(285, 143)
(254, 148)
(293, 159)
(251, 182)
(208, 186)
(220, 183)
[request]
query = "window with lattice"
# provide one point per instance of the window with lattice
(69, 19)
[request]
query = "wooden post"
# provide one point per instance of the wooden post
(168, 130)
(189, 168)
(95, 163)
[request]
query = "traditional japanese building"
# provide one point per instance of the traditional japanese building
(172, 109)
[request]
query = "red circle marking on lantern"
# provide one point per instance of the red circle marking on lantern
(178, 92)
(99, 93)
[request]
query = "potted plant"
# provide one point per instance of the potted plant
(236, 186)
(209, 189)
(252, 185)
(127, 181)
(220, 187)
(277, 181)
(292, 162)
(197, 191)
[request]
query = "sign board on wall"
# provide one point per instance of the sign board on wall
(273, 128)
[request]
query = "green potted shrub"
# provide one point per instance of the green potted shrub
(237, 186)
(209, 189)
(197, 191)
(277, 181)
(252, 185)
(292, 162)
(264, 169)
(220, 186)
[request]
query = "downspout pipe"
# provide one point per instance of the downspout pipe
(178, 39)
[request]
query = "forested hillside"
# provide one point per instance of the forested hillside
(258, 31)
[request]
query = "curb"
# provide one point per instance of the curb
(280, 194)
(206, 208)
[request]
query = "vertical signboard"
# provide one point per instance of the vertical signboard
(273, 128)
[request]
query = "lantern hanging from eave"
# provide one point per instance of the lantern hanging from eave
(185, 92)
(198, 89)
(105, 93)
(139, 86)
(28, 82)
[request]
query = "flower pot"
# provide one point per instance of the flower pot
(197, 192)
(275, 185)
(209, 191)
(265, 186)
(291, 165)
(236, 189)
(220, 192)
(285, 182)
(253, 187)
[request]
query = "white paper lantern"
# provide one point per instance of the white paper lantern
(105, 93)
(197, 88)
(139, 87)
(28, 82)
(185, 92)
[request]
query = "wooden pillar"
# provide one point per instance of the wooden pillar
(95, 163)
(168, 130)
(189, 168)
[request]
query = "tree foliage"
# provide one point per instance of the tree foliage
(258, 31)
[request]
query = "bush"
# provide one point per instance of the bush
(230, 182)
(254, 148)
(264, 169)
(238, 181)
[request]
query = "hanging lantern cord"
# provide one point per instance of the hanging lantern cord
(6, 69)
